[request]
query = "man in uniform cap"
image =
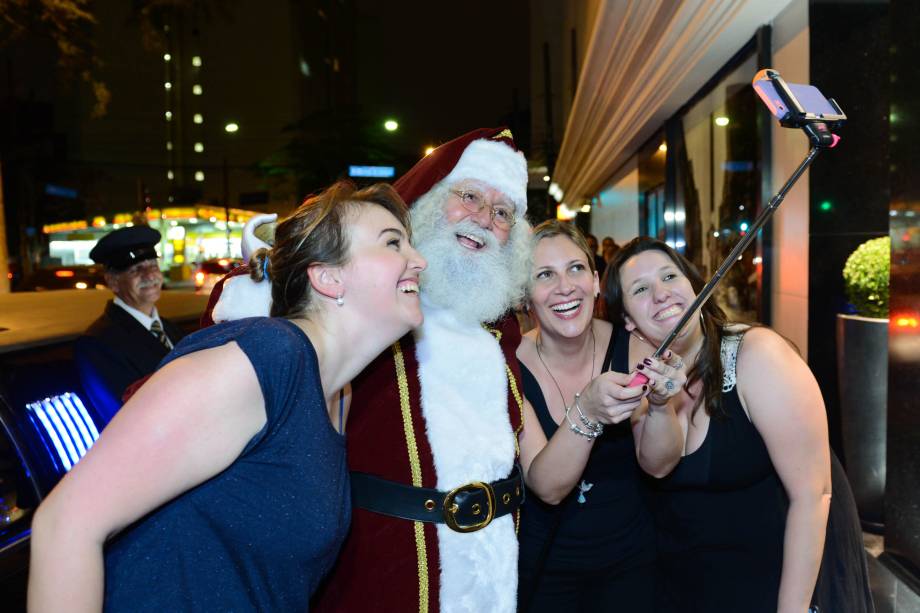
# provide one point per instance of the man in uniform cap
(128, 340)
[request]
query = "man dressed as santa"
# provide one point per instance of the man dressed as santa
(436, 435)
(443, 409)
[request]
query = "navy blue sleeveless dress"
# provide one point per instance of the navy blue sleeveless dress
(602, 551)
(720, 518)
(260, 535)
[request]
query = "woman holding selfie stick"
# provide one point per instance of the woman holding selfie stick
(595, 551)
(741, 519)
(222, 484)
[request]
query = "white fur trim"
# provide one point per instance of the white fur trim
(464, 399)
(496, 164)
(242, 297)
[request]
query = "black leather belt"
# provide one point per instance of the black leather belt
(466, 508)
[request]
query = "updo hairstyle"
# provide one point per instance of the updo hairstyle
(316, 234)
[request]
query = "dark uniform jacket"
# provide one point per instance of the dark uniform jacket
(114, 352)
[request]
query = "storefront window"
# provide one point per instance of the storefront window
(717, 160)
(651, 163)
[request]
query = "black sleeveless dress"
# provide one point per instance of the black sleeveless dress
(720, 518)
(602, 551)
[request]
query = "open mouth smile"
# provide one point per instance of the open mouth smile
(470, 242)
(669, 312)
(567, 310)
(408, 286)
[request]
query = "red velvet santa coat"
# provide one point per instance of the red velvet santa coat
(391, 564)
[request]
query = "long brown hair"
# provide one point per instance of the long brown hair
(708, 366)
(316, 234)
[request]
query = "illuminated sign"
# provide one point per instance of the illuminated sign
(61, 192)
(376, 172)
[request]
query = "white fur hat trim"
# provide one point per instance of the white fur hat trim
(497, 165)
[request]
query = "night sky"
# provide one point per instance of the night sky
(439, 68)
(443, 68)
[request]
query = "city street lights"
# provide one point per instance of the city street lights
(230, 128)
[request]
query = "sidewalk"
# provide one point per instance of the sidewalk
(891, 595)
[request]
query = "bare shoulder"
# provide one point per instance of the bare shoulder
(772, 374)
(603, 328)
(527, 350)
(763, 347)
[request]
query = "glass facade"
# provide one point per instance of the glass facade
(700, 186)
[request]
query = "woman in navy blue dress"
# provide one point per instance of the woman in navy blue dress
(741, 519)
(222, 484)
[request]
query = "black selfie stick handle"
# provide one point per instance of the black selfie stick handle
(734, 256)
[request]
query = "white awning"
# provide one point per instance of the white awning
(645, 59)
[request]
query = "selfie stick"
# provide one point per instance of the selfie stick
(816, 127)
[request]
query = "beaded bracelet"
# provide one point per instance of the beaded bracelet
(592, 426)
(589, 434)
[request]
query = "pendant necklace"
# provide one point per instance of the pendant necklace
(584, 486)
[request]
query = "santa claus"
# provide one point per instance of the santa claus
(434, 431)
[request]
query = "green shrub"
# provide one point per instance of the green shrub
(865, 277)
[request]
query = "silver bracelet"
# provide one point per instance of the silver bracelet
(592, 426)
(588, 434)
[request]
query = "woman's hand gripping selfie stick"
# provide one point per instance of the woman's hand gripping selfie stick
(817, 127)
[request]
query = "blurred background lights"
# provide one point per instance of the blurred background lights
(390, 125)
(721, 121)
(231, 127)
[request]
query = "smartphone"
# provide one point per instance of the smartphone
(794, 102)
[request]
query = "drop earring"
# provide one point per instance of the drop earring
(340, 300)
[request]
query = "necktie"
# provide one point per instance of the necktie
(157, 328)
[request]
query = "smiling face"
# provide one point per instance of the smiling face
(475, 270)
(139, 286)
(655, 295)
(563, 287)
(470, 234)
(381, 276)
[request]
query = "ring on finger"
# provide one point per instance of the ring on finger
(679, 365)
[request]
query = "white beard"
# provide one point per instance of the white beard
(476, 286)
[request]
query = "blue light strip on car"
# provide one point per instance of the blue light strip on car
(80, 419)
(58, 407)
(84, 413)
(61, 430)
(36, 407)
(68, 424)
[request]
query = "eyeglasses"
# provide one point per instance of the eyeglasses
(502, 214)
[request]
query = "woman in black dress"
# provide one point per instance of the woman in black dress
(741, 519)
(596, 550)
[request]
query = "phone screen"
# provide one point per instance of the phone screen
(811, 99)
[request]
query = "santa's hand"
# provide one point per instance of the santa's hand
(666, 376)
(609, 400)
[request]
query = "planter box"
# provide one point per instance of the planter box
(862, 375)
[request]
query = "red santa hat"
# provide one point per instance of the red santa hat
(487, 155)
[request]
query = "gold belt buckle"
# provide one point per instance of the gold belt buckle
(451, 507)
